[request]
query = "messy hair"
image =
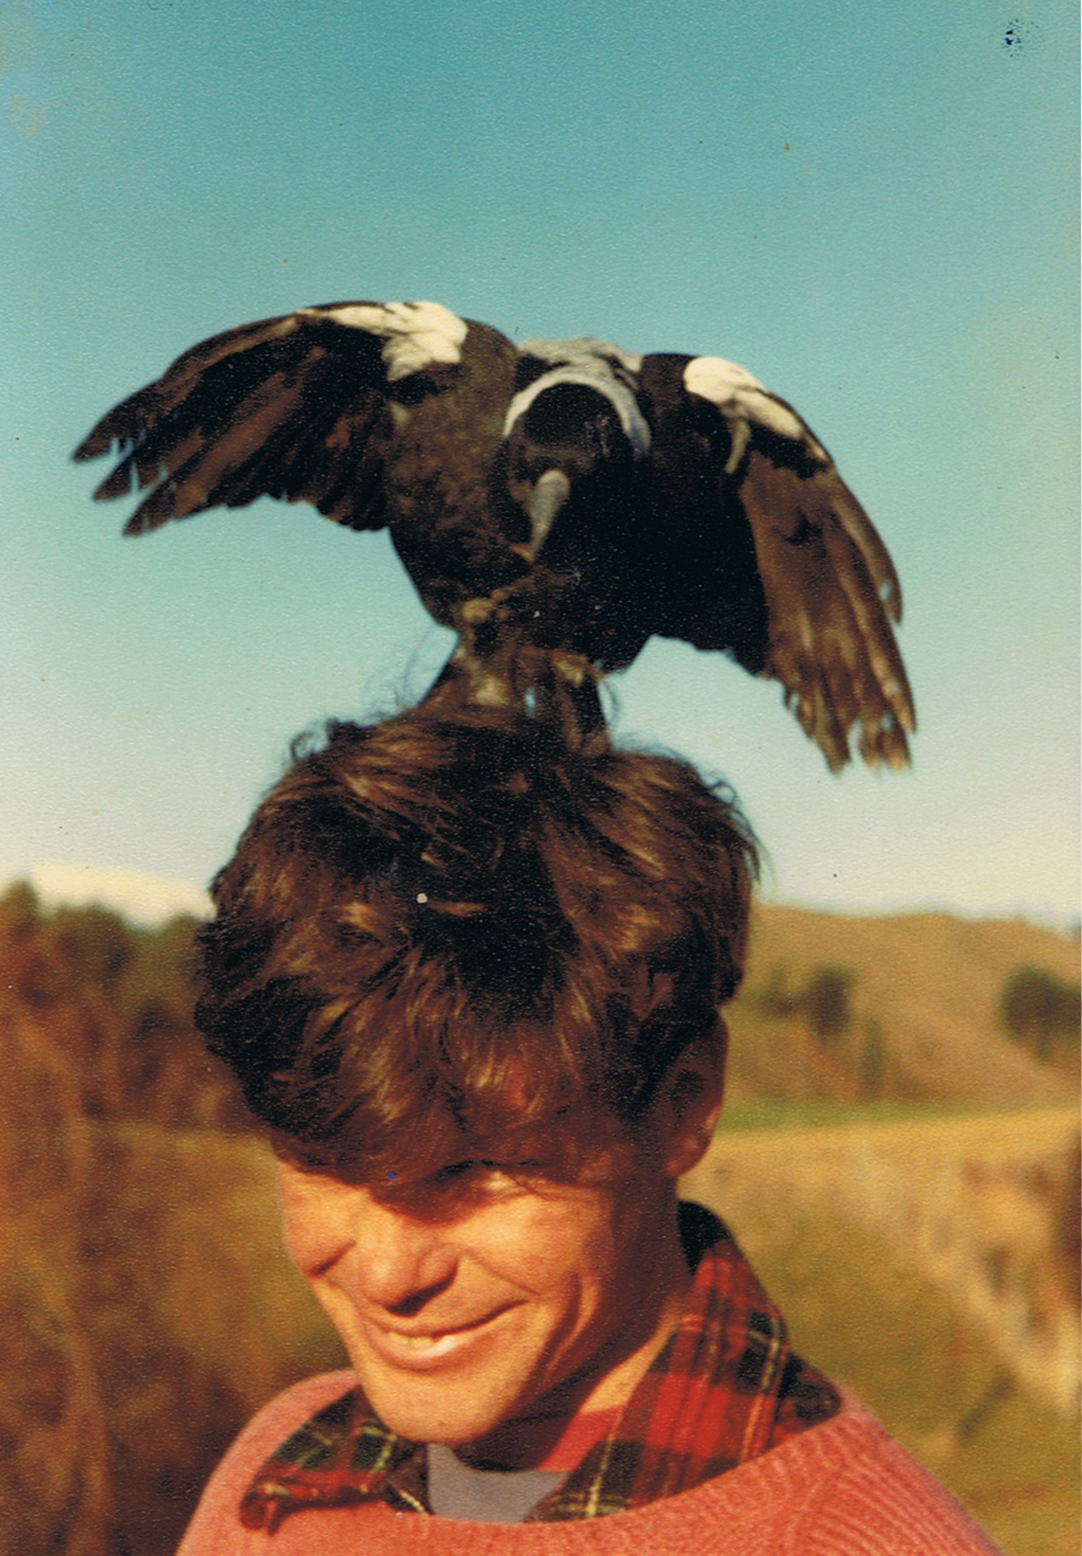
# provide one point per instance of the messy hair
(438, 927)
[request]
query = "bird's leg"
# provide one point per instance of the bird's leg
(471, 670)
(480, 670)
(571, 685)
(492, 666)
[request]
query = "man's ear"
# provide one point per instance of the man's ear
(689, 1101)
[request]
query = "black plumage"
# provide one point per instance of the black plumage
(556, 503)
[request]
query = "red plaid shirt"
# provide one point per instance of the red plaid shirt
(724, 1388)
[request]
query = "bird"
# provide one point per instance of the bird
(555, 503)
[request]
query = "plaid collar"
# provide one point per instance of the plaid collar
(723, 1389)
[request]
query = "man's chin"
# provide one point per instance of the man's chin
(513, 1432)
(430, 1416)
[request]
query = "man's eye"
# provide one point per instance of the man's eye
(455, 1171)
(482, 1173)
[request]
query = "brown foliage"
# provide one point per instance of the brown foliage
(110, 1006)
(122, 1374)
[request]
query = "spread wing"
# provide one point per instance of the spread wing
(295, 407)
(821, 585)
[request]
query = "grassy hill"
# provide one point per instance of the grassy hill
(923, 1022)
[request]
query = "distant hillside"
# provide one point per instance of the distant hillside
(921, 1018)
(833, 1009)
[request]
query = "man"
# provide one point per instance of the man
(469, 979)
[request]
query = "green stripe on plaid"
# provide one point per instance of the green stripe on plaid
(724, 1388)
(344, 1454)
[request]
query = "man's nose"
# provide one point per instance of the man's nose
(401, 1261)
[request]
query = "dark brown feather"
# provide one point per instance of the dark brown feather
(831, 645)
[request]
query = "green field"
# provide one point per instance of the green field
(826, 1113)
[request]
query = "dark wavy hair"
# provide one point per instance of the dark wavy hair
(438, 931)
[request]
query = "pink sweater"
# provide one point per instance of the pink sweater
(840, 1489)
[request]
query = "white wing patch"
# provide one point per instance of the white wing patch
(743, 400)
(596, 365)
(416, 336)
(718, 380)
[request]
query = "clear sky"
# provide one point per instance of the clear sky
(872, 206)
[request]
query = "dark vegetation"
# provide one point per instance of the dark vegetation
(113, 1005)
(823, 1000)
(1041, 1011)
(854, 1058)
(146, 1309)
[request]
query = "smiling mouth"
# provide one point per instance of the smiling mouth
(422, 1342)
(424, 1347)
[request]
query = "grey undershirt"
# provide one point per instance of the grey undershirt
(457, 1490)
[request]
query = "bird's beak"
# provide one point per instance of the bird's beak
(550, 492)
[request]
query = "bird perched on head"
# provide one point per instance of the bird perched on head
(556, 502)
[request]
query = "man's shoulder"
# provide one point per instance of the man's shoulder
(285, 1413)
(310, 1394)
(263, 1435)
(840, 1488)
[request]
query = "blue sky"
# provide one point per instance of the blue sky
(872, 209)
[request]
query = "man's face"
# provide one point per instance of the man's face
(491, 1291)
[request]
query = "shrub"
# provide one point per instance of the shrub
(146, 1307)
(1040, 1010)
(825, 1002)
(873, 1060)
(775, 998)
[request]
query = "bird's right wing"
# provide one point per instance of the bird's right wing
(295, 407)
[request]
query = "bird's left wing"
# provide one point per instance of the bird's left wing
(295, 407)
(828, 585)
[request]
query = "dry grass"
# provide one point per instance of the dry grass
(860, 1309)
(52, 1425)
(142, 1327)
(146, 1307)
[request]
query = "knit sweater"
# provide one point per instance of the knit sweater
(843, 1488)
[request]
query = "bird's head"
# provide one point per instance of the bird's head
(568, 449)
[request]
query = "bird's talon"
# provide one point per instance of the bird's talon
(477, 611)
